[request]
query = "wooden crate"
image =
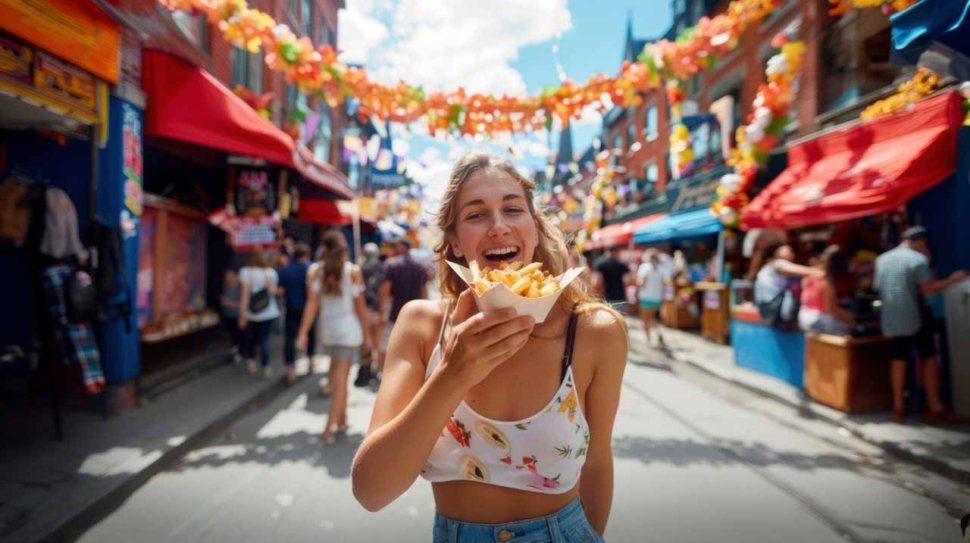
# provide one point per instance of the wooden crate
(848, 374)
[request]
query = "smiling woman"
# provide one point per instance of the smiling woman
(511, 421)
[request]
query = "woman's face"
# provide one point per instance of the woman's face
(785, 253)
(494, 224)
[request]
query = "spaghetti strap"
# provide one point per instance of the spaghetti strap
(444, 324)
(567, 355)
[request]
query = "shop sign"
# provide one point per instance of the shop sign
(254, 232)
(132, 159)
(78, 32)
(48, 77)
(695, 192)
(254, 192)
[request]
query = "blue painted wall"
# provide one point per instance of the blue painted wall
(121, 347)
(769, 351)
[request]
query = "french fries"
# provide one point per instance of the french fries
(529, 281)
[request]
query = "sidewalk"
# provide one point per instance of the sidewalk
(942, 449)
(51, 489)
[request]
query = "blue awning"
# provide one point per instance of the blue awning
(916, 28)
(690, 224)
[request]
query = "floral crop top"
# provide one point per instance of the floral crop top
(543, 453)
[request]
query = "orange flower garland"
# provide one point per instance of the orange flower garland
(764, 129)
(922, 84)
(316, 71)
(888, 6)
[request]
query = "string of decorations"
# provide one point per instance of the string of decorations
(317, 71)
(766, 125)
(923, 83)
(888, 6)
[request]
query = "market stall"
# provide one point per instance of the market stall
(849, 184)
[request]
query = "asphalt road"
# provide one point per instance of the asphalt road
(697, 460)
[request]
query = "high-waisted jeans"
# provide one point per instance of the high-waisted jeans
(568, 525)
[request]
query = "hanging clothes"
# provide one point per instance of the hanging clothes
(60, 226)
(14, 214)
(75, 341)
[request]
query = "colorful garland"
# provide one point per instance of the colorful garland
(765, 127)
(922, 84)
(965, 91)
(317, 72)
(888, 6)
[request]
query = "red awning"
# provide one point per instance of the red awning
(620, 233)
(188, 104)
(322, 212)
(864, 169)
(323, 175)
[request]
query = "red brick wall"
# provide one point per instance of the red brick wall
(636, 162)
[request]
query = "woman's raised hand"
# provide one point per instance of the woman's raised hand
(478, 342)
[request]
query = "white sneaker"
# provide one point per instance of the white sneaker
(253, 367)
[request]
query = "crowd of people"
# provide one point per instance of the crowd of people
(328, 305)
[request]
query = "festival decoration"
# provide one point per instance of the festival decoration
(888, 6)
(259, 102)
(765, 127)
(965, 91)
(923, 83)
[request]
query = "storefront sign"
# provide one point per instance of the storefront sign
(45, 78)
(695, 192)
(253, 232)
(254, 192)
(132, 159)
(78, 32)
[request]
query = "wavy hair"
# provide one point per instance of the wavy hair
(334, 257)
(551, 250)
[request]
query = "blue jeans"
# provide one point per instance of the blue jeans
(257, 334)
(568, 525)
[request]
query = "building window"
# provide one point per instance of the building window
(247, 70)
(651, 127)
(631, 134)
(324, 135)
(323, 33)
(618, 143)
(307, 13)
(293, 6)
(193, 27)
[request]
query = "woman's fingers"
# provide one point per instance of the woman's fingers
(500, 332)
(465, 308)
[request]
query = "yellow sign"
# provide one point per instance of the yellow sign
(60, 80)
(76, 31)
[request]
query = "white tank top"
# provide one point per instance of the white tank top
(338, 325)
(543, 453)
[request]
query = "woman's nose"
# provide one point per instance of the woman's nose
(499, 226)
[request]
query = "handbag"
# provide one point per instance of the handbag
(81, 297)
(259, 300)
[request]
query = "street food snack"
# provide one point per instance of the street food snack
(527, 288)
(529, 281)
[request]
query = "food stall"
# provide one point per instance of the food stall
(850, 181)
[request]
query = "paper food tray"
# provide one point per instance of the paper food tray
(499, 296)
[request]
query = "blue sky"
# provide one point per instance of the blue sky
(497, 46)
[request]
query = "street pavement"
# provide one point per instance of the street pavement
(697, 459)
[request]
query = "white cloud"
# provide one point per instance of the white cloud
(359, 31)
(443, 44)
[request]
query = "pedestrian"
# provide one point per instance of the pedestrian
(650, 287)
(512, 471)
(611, 278)
(777, 303)
(258, 283)
(293, 283)
(404, 280)
(373, 270)
(903, 278)
(229, 301)
(337, 293)
(820, 311)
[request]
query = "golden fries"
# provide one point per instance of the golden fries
(527, 281)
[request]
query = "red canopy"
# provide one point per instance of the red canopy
(864, 169)
(322, 174)
(620, 233)
(323, 212)
(188, 104)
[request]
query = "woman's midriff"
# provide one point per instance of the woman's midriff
(489, 504)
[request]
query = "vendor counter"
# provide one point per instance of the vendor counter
(715, 311)
(680, 308)
(847, 373)
(766, 349)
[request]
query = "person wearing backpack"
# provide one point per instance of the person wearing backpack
(259, 285)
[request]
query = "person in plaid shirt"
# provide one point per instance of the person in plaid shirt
(75, 341)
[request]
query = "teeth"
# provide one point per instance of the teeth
(500, 251)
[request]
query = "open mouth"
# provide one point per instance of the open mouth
(501, 254)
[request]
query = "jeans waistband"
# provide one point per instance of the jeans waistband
(521, 531)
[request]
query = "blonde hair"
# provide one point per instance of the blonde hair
(334, 258)
(551, 250)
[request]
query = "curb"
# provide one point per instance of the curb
(77, 525)
(936, 466)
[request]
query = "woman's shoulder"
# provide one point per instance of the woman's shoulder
(602, 323)
(422, 318)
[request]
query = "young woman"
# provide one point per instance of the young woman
(820, 311)
(510, 420)
(258, 308)
(336, 290)
(772, 289)
(650, 285)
